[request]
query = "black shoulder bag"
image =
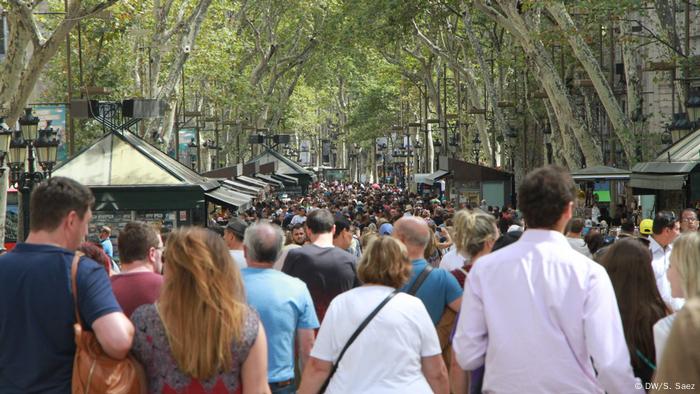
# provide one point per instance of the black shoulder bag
(420, 279)
(354, 336)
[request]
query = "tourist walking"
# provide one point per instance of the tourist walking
(397, 351)
(283, 303)
(439, 289)
(233, 236)
(684, 278)
(200, 336)
(37, 342)
(326, 270)
(665, 230)
(628, 263)
(541, 318)
(140, 280)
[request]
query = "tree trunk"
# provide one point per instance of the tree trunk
(512, 21)
(633, 81)
(14, 62)
(186, 41)
(564, 154)
(618, 119)
(493, 93)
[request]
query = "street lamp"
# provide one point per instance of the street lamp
(693, 107)
(680, 126)
(47, 148)
(476, 147)
(512, 135)
(547, 133)
(192, 147)
(5, 137)
(22, 148)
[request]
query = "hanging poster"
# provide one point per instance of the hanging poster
(57, 115)
(186, 136)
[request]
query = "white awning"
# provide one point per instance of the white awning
(436, 176)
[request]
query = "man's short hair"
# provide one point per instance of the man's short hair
(320, 221)
(341, 223)
(264, 242)
(627, 227)
(662, 220)
(135, 240)
(298, 226)
(544, 195)
(106, 230)
(576, 225)
(53, 199)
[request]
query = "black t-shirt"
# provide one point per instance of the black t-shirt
(327, 272)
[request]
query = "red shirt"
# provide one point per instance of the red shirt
(133, 289)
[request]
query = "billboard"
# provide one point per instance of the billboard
(57, 115)
(186, 136)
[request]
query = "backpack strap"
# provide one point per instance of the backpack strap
(74, 284)
(354, 336)
(420, 279)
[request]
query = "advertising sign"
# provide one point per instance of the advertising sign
(186, 136)
(57, 115)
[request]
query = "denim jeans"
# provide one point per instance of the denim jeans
(290, 389)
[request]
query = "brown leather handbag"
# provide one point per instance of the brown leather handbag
(93, 370)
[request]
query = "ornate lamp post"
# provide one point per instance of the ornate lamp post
(193, 149)
(547, 133)
(680, 126)
(5, 137)
(22, 148)
(693, 107)
(476, 147)
(512, 135)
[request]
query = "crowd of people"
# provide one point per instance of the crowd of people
(358, 288)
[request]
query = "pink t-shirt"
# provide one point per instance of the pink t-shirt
(133, 289)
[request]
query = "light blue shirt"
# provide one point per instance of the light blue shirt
(284, 305)
(438, 290)
(107, 246)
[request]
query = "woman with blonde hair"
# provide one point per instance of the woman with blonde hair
(200, 336)
(397, 351)
(475, 235)
(684, 276)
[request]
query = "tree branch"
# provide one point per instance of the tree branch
(27, 19)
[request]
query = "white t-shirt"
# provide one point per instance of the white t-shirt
(238, 258)
(452, 260)
(662, 329)
(298, 219)
(386, 357)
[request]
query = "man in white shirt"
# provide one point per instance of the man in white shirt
(689, 220)
(541, 318)
(300, 217)
(574, 237)
(233, 235)
(665, 230)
